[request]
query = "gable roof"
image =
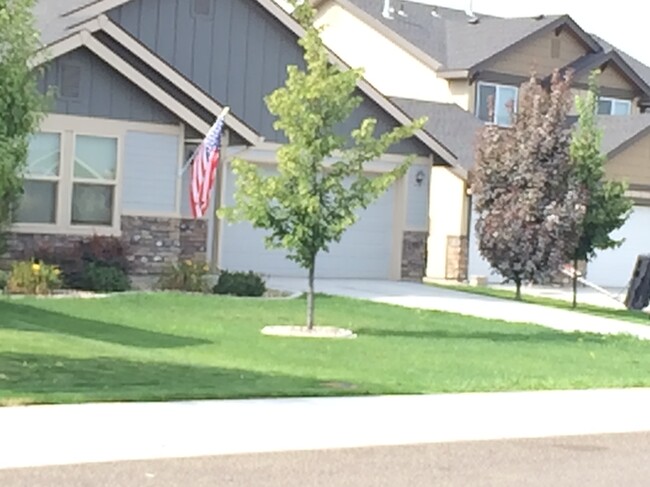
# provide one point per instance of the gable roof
(619, 132)
(642, 70)
(52, 21)
(591, 61)
(456, 44)
(454, 127)
(70, 18)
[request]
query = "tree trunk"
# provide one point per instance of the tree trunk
(310, 297)
(575, 283)
(518, 291)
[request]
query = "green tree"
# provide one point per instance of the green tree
(321, 180)
(607, 207)
(528, 202)
(21, 104)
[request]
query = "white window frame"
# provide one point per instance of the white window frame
(496, 100)
(69, 127)
(613, 101)
(50, 179)
(94, 182)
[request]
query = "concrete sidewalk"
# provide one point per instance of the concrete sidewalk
(422, 296)
(58, 435)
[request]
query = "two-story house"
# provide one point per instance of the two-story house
(137, 84)
(447, 64)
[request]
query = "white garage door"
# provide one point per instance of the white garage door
(478, 266)
(364, 251)
(614, 267)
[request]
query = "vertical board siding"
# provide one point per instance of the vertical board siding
(103, 93)
(150, 173)
(238, 54)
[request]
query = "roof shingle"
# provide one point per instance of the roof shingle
(454, 127)
(448, 37)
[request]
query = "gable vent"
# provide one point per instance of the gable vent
(556, 47)
(202, 8)
(70, 82)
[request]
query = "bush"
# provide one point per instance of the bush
(73, 262)
(240, 284)
(106, 251)
(4, 277)
(100, 278)
(185, 276)
(31, 277)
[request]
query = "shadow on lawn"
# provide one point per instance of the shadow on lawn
(21, 317)
(51, 378)
(495, 336)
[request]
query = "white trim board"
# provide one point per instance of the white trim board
(101, 6)
(181, 82)
(143, 82)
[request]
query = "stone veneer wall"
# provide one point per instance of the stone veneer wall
(457, 258)
(24, 246)
(151, 243)
(414, 255)
(155, 242)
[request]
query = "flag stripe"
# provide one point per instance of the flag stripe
(204, 168)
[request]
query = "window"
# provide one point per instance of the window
(39, 201)
(94, 178)
(70, 182)
(614, 106)
(496, 103)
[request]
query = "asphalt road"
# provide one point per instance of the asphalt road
(609, 460)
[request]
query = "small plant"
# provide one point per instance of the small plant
(94, 251)
(240, 284)
(4, 277)
(185, 276)
(32, 277)
(101, 278)
(107, 251)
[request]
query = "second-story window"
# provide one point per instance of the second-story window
(495, 103)
(614, 106)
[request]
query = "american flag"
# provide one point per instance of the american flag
(204, 169)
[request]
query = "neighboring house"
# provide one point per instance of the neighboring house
(138, 83)
(448, 64)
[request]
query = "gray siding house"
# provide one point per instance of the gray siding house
(137, 84)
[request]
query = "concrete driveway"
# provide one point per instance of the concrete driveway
(422, 296)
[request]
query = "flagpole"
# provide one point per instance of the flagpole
(187, 163)
(218, 200)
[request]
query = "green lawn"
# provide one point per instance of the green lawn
(172, 346)
(617, 314)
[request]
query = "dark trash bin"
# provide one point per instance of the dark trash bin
(638, 294)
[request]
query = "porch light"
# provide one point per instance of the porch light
(419, 178)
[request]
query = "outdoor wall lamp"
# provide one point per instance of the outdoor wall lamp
(419, 178)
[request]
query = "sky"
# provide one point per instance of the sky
(623, 23)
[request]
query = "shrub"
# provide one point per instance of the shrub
(4, 277)
(185, 276)
(32, 277)
(73, 262)
(106, 251)
(240, 284)
(101, 278)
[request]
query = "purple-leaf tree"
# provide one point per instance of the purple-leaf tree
(530, 206)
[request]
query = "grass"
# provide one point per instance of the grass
(617, 314)
(173, 346)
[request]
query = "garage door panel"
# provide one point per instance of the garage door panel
(478, 266)
(365, 249)
(614, 267)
